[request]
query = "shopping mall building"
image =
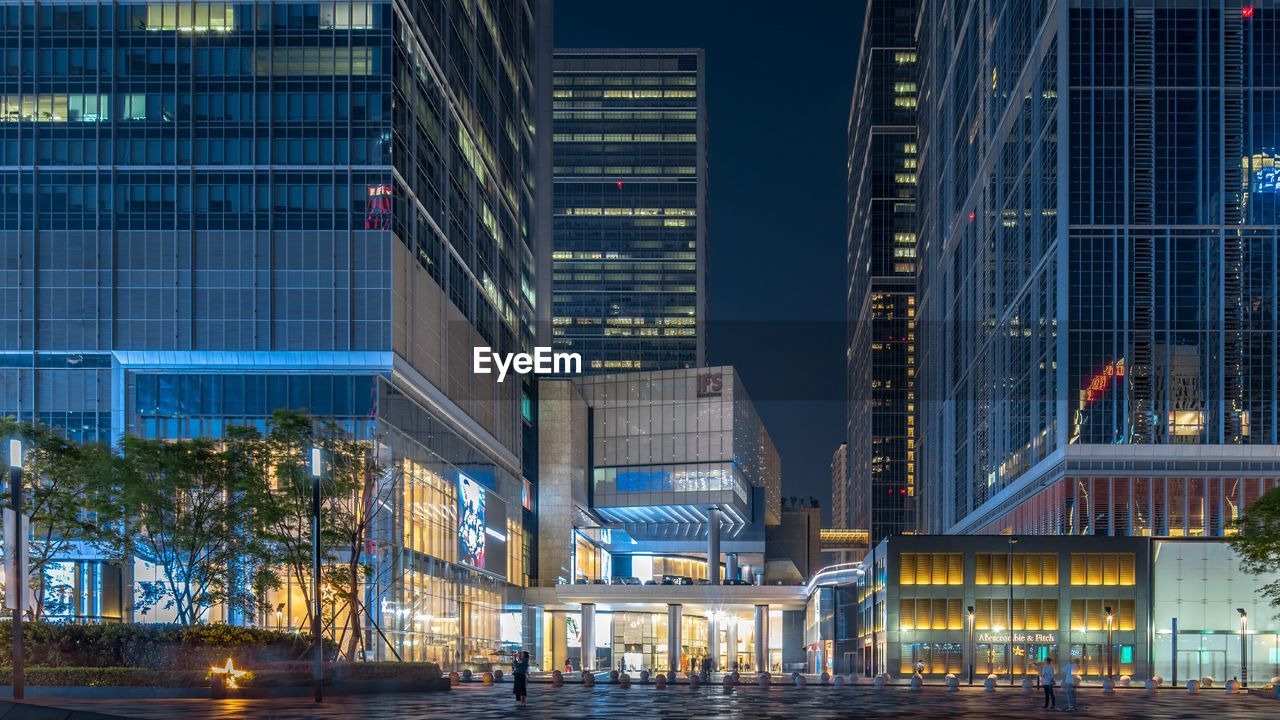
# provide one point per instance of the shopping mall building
(660, 476)
(977, 605)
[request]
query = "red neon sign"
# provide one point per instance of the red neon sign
(1101, 380)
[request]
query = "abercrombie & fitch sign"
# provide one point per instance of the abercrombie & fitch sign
(1018, 637)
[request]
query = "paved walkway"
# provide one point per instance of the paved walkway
(574, 702)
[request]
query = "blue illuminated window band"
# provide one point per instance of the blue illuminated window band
(55, 360)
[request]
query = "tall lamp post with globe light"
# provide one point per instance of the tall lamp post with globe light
(1244, 647)
(1009, 569)
(973, 649)
(1111, 621)
(16, 563)
(317, 640)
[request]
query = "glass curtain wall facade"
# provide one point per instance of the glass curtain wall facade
(1097, 276)
(629, 257)
(882, 266)
(666, 445)
(214, 210)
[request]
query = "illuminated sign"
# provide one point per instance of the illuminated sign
(1033, 637)
(1101, 381)
(377, 210)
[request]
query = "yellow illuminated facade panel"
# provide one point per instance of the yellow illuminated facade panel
(1101, 569)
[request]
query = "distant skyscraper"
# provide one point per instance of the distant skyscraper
(1098, 297)
(215, 210)
(629, 284)
(840, 487)
(882, 267)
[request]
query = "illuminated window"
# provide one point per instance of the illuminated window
(190, 17)
(54, 108)
(346, 16)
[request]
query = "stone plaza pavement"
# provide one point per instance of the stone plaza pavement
(574, 702)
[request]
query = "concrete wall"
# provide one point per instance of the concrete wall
(562, 475)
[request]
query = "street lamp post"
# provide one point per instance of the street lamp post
(1244, 647)
(1009, 660)
(317, 640)
(1110, 646)
(18, 581)
(973, 650)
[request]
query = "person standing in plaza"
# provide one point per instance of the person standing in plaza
(1046, 682)
(1069, 683)
(520, 676)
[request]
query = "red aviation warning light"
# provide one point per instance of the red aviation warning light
(619, 184)
(1246, 12)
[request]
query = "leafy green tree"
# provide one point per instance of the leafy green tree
(366, 483)
(58, 481)
(1257, 540)
(283, 509)
(353, 486)
(186, 506)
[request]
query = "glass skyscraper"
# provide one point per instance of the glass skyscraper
(1098, 249)
(630, 248)
(213, 210)
(882, 267)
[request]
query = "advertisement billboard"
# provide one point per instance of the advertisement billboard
(482, 527)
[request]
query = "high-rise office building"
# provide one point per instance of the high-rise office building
(630, 250)
(213, 210)
(840, 487)
(882, 269)
(1097, 286)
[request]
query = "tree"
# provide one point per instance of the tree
(57, 488)
(1257, 540)
(283, 510)
(356, 467)
(353, 486)
(186, 506)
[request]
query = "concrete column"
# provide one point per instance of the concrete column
(675, 613)
(731, 643)
(713, 546)
(762, 638)
(588, 635)
(558, 643)
(731, 566)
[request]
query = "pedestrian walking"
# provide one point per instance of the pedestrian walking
(1068, 684)
(1046, 681)
(520, 676)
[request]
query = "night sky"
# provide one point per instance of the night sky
(779, 83)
